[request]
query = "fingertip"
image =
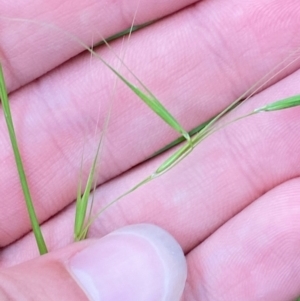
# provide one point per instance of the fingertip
(137, 262)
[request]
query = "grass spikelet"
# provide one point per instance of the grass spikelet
(151, 101)
(282, 104)
(82, 200)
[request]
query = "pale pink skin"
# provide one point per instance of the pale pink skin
(233, 204)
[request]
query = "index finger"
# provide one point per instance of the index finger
(43, 49)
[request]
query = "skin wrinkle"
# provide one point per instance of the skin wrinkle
(6, 65)
(54, 42)
(248, 171)
(253, 248)
(6, 295)
(224, 56)
(221, 59)
(211, 46)
(112, 212)
(256, 192)
(286, 154)
(16, 286)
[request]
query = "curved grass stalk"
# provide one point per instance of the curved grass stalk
(202, 131)
(185, 150)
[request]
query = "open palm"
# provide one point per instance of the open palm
(232, 204)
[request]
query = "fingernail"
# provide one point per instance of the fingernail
(137, 262)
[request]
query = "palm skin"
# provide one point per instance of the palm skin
(232, 204)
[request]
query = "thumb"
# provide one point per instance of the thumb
(138, 262)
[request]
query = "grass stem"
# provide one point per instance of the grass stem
(25, 188)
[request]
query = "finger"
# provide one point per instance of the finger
(223, 175)
(65, 121)
(217, 180)
(45, 41)
(254, 256)
(133, 263)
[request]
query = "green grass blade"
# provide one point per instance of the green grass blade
(283, 65)
(82, 201)
(78, 212)
(151, 101)
(124, 33)
(31, 211)
(89, 223)
(154, 104)
(181, 139)
(282, 104)
(81, 219)
(148, 97)
(204, 131)
(166, 165)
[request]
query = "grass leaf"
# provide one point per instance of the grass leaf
(31, 211)
(150, 100)
(82, 201)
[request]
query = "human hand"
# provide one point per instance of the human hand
(231, 204)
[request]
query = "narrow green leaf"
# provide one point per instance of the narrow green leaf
(78, 211)
(31, 211)
(191, 133)
(282, 104)
(81, 219)
(153, 103)
(82, 202)
(149, 99)
(89, 223)
(124, 33)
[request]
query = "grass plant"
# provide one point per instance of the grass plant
(189, 141)
(193, 138)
